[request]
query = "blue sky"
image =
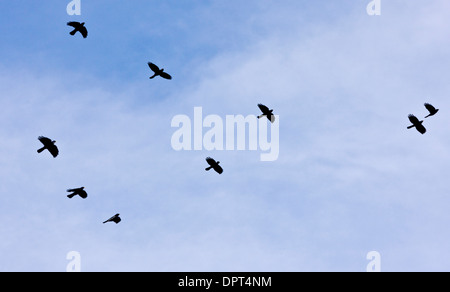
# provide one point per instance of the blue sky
(350, 177)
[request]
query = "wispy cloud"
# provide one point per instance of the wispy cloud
(350, 177)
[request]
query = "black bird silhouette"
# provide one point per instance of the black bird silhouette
(78, 27)
(431, 109)
(417, 124)
(80, 191)
(266, 112)
(158, 72)
(116, 219)
(49, 145)
(214, 165)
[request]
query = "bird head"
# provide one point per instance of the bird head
(271, 110)
(53, 141)
(218, 162)
(82, 188)
(82, 23)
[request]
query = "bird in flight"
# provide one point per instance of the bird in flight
(213, 165)
(78, 27)
(49, 145)
(116, 219)
(266, 112)
(158, 72)
(417, 124)
(80, 192)
(431, 109)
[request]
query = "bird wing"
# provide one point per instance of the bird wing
(75, 190)
(165, 75)
(218, 168)
(210, 161)
(117, 219)
(44, 140)
(413, 119)
(83, 31)
(83, 194)
(53, 150)
(114, 217)
(421, 129)
(271, 118)
(430, 108)
(153, 67)
(263, 108)
(74, 24)
(110, 219)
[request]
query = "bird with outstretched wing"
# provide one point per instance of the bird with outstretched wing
(116, 219)
(431, 109)
(213, 165)
(158, 72)
(266, 112)
(49, 145)
(79, 191)
(417, 124)
(78, 27)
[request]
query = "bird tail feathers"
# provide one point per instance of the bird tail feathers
(208, 168)
(410, 127)
(260, 116)
(70, 196)
(41, 149)
(73, 32)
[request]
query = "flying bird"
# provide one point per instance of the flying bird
(49, 145)
(78, 27)
(213, 165)
(417, 124)
(80, 192)
(431, 109)
(266, 112)
(158, 72)
(116, 219)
